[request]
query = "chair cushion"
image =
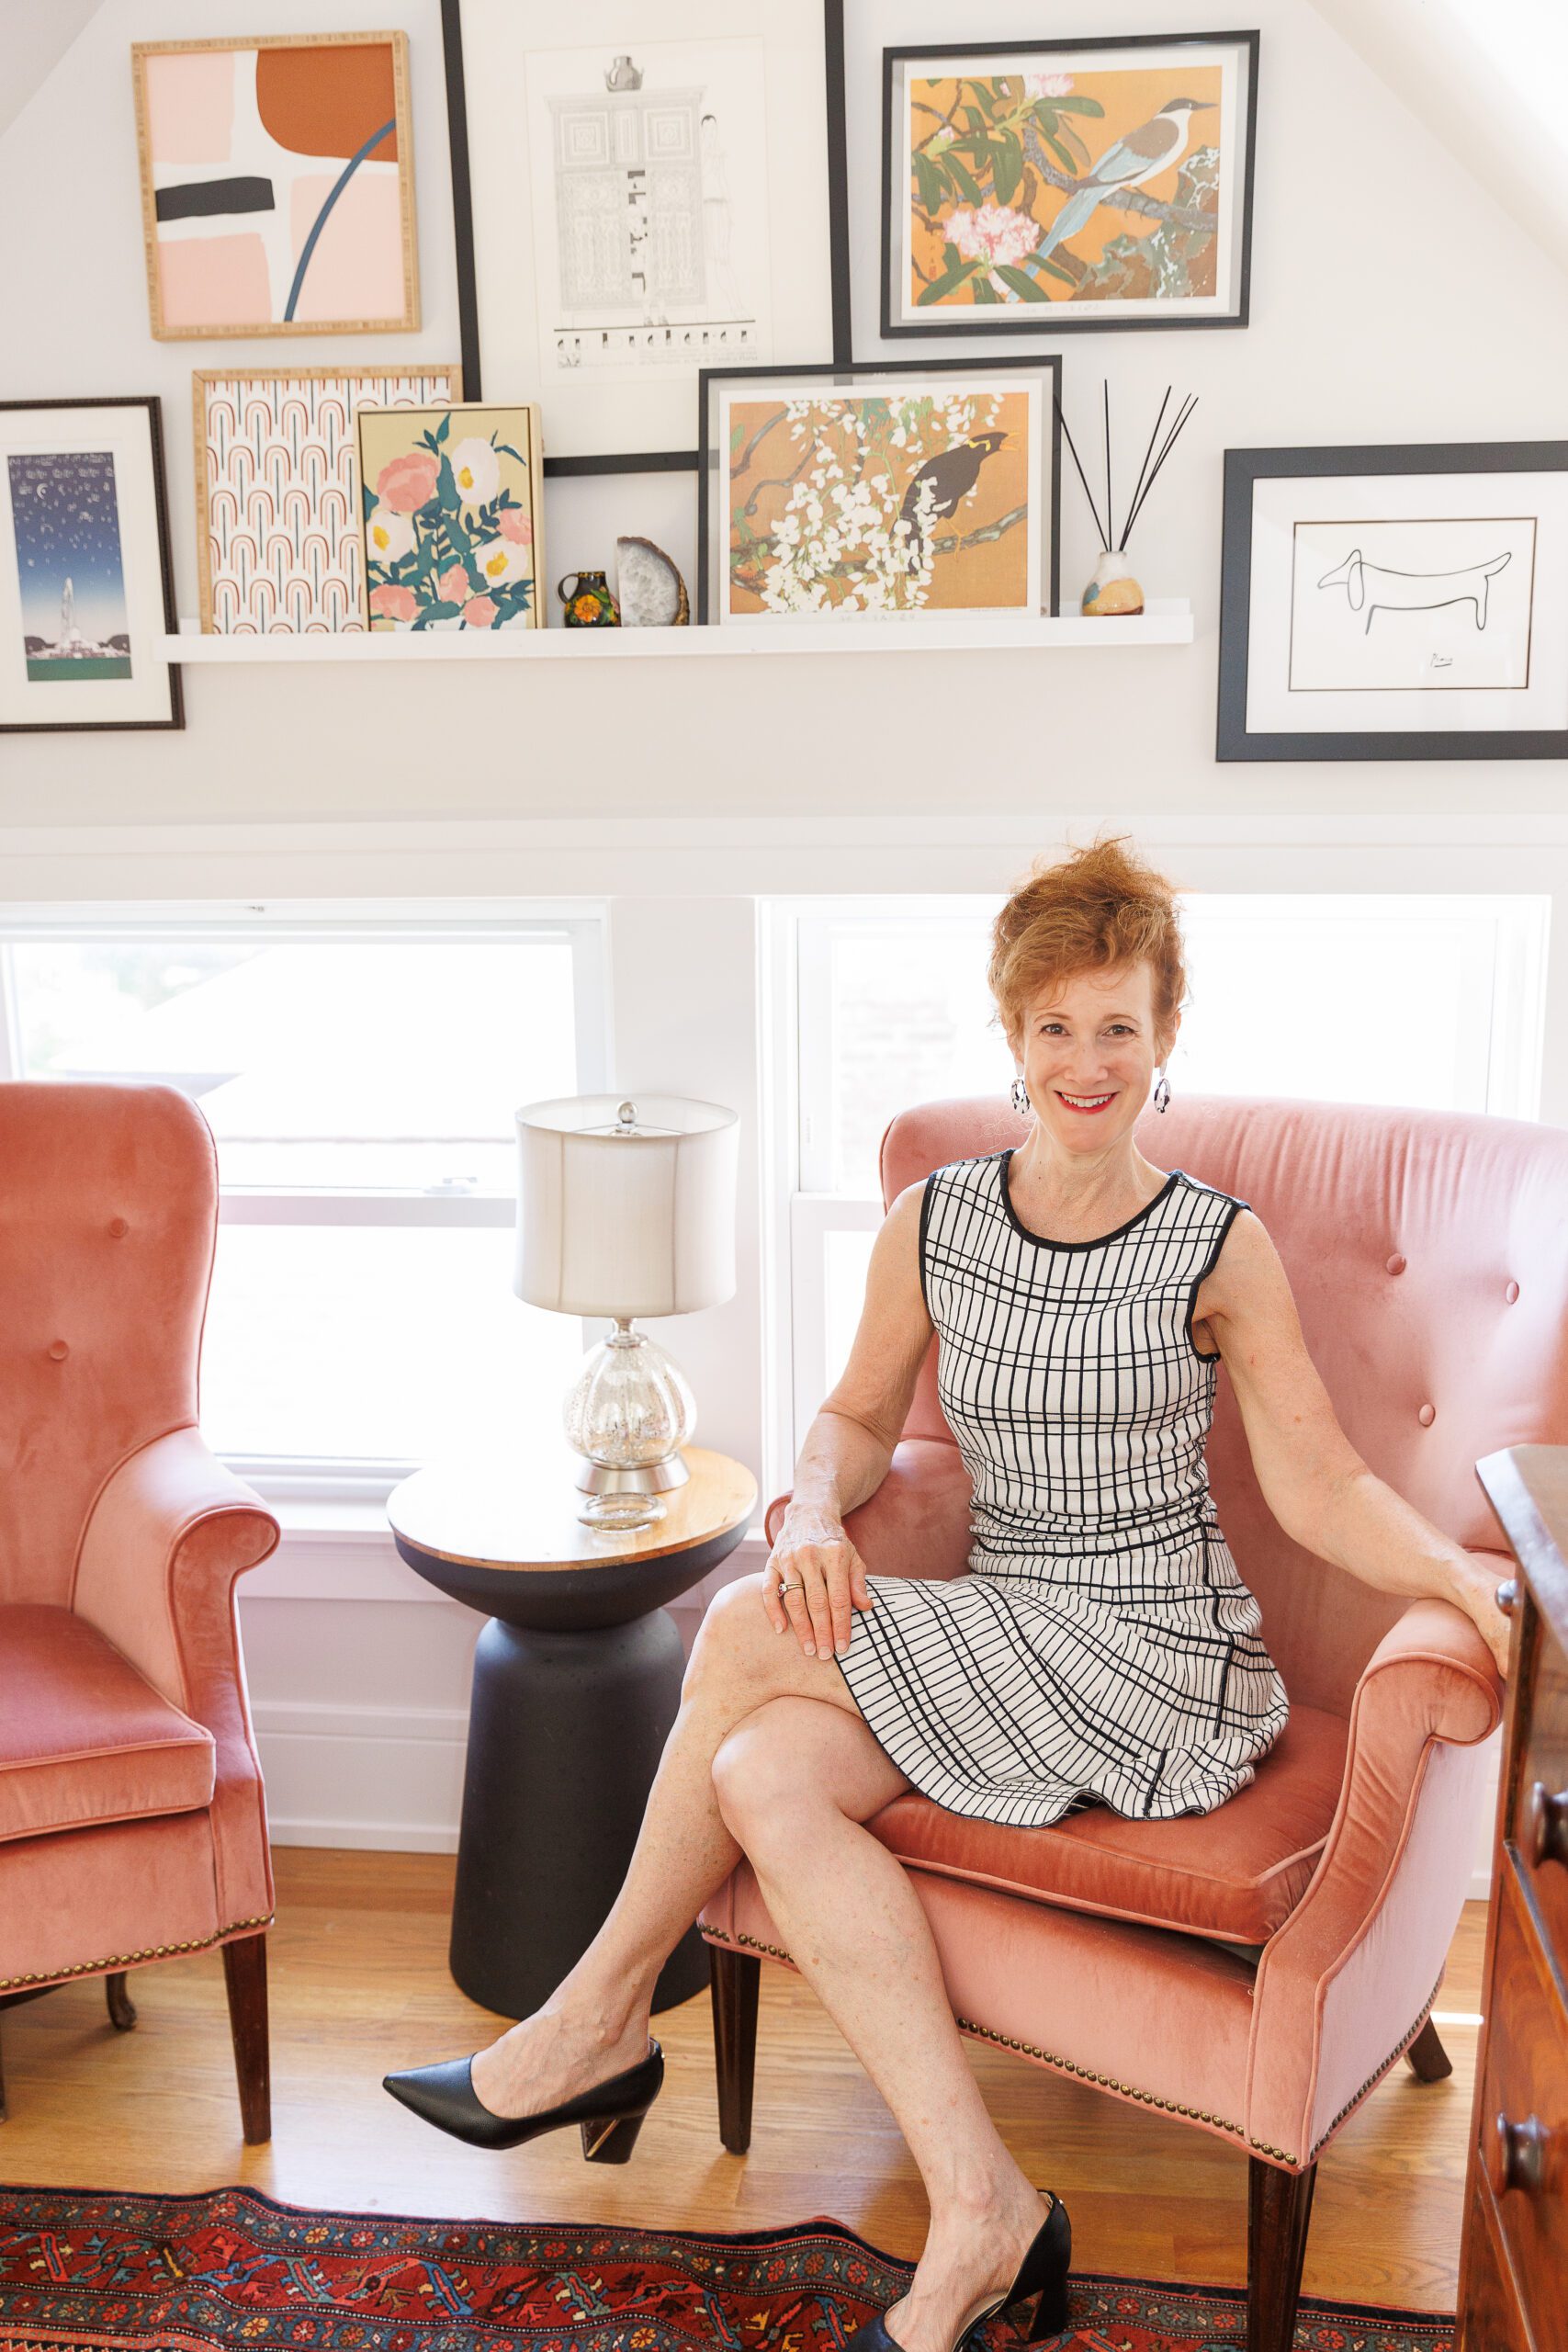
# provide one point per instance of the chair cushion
(83, 1737)
(1235, 1873)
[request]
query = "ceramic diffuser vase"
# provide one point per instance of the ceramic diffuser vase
(1112, 588)
(1114, 592)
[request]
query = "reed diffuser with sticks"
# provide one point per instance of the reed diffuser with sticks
(1112, 590)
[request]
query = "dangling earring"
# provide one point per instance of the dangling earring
(1162, 1093)
(1019, 1097)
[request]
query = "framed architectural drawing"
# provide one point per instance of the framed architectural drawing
(1396, 603)
(277, 523)
(452, 518)
(1056, 183)
(278, 184)
(890, 493)
(652, 195)
(86, 587)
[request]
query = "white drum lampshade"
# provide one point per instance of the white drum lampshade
(627, 1208)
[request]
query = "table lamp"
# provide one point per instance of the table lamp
(627, 1208)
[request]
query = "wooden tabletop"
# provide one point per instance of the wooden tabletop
(1527, 1486)
(522, 1515)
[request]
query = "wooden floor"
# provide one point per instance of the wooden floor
(360, 1985)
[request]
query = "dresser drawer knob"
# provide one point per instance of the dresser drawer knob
(1517, 2158)
(1547, 1816)
(1507, 1595)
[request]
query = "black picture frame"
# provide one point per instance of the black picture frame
(1063, 317)
(1048, 363)
(151, 402)
(637, 461)
(1243, 470)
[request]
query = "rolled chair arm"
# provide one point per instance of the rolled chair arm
(917, 1523)
(167, 1537)
(1342, 1985)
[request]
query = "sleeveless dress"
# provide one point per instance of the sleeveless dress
(1103, 1645)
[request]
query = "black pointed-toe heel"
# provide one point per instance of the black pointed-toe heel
(1041, 2274)
(610, 2112)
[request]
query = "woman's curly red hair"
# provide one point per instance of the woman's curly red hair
(1100, 910)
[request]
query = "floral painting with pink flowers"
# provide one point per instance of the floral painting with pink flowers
(1083, 182)
(450, 504)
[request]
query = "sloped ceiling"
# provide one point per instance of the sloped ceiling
(1488, 78)
(34, 37)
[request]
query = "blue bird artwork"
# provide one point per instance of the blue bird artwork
(1139, 155)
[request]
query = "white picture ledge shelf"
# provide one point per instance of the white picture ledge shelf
(1167, 622)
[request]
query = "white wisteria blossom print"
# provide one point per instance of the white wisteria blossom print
(846, 505)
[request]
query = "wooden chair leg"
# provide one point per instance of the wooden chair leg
(1279, 2206)
(735, 1978)
(244, 1973)
(1429, 2061)
(122, 2009)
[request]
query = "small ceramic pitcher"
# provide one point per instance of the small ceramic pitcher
(588, 600)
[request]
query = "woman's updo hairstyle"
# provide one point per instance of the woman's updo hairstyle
(1096, 911)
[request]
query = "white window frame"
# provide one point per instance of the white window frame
(583, 923)
(797, 1009)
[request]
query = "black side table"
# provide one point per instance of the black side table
(577, 1680)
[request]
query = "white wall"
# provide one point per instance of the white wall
(1393, 299)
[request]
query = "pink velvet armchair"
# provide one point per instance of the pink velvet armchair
(132, 1818)
(1257, 1970)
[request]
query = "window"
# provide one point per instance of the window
(360, 1074)
(1429, 999)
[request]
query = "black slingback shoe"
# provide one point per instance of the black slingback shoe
(610, 2112)
(1043, 2273)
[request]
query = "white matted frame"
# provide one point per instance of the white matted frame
(650, 191)
(119, 442)
(1399, 602)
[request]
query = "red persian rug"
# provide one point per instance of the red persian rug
(98, 2272)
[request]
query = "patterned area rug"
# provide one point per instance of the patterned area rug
(97, 2271)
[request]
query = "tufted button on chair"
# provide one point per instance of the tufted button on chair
(132, 1819)
(1257, 1970)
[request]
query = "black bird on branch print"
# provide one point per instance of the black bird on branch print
(953, 475)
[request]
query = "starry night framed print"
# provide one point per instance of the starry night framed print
(87, 584)
(1033, 187)
(1399, 602)
(902, 492)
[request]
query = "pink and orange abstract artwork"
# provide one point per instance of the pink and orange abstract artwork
(278, 184)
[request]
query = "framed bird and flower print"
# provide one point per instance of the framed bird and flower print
(891, 492)
(1052, 184)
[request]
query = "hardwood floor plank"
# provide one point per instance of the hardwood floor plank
(360, 1985)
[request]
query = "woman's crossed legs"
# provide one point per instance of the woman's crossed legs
(769, 1756)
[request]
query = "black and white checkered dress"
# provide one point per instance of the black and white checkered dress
(1103, 1645)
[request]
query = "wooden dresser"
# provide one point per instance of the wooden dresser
(1513, 2289)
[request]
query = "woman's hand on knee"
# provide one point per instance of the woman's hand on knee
(823, 1579)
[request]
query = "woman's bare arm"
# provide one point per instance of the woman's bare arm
(1317, 1485)
(848, 1448)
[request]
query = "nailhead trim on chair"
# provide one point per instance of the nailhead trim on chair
(129, 1958)
(1147, 2098)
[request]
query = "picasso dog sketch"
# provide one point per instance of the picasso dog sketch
(1373, 586)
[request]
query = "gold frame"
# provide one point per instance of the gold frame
(202, 377)
(410, 321)
(536, 461)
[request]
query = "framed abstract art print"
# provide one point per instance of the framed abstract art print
(452, 518)
(1399, 602)
(892, 493)
(278, 184)
(1046, 185)
(641, 192)
(278, 530)
(86, 587)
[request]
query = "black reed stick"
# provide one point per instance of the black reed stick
(1165, 448)
(1143, 469)
(1072, 451)
(1109, 525)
